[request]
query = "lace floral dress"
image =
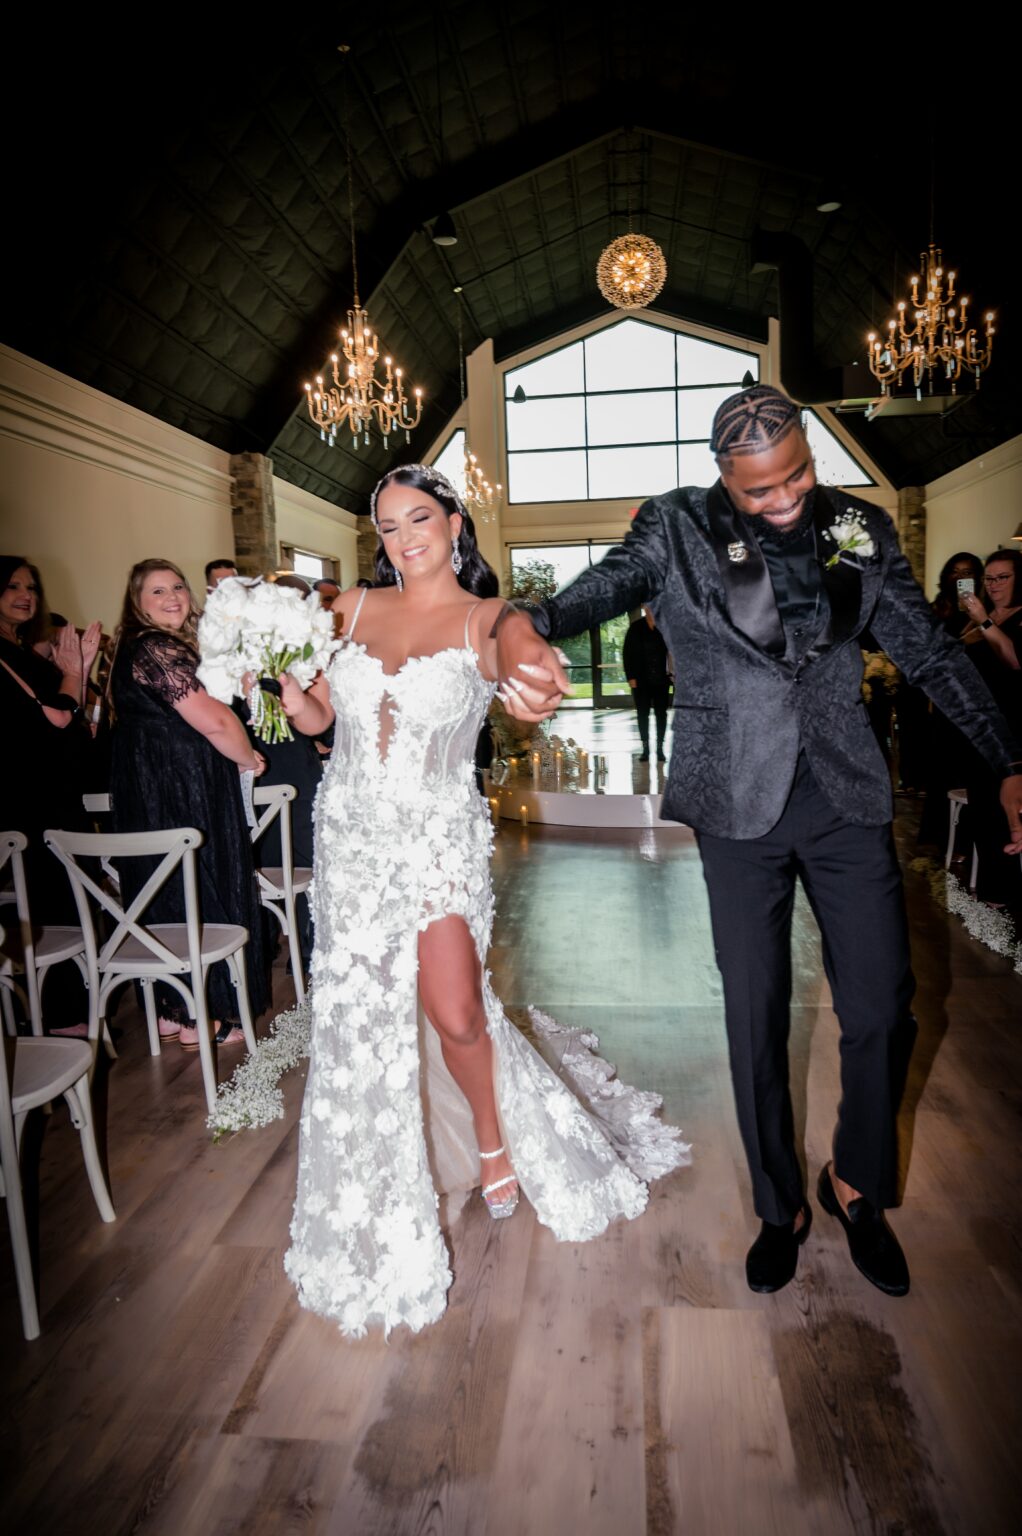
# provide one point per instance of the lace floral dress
(165, 773)
(403, 838)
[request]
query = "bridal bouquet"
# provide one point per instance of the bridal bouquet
(258, 629)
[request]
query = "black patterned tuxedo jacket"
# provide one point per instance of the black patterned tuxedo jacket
(744, 704)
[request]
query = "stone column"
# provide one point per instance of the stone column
(253, 514)
(367, 542)
(912, 528)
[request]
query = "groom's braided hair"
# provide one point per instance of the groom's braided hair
(753, 420)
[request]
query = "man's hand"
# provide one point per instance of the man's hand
(1011, 803)
(532, 680)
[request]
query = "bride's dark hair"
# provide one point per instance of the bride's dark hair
(476, 576)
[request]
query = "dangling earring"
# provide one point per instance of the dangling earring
(399, 579)
(456, 560)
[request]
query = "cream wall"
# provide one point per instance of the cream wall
(89, 485)
(311, 523)
(976, 507)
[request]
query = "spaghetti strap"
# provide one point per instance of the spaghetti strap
(350, 635)
(471, 611)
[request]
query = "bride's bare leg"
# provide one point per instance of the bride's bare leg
(451, 992)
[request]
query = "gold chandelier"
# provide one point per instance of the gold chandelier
(479, 495)
(361, 400)
(631, 271)
(940, 344)
(358, 399)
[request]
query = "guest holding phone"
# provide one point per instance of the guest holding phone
(993, 638)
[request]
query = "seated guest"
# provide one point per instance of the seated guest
(175, 760)
(45, 757)
(994, 641)
(218, 571)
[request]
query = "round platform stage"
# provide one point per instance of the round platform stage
(613, 788)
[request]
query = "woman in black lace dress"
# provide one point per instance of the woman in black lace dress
(43, 764)
(176, 756)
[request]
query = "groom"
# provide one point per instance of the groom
(761, 586)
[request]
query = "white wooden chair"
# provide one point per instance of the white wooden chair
(32, 1072)
(99, 805)
(956, 799)
(278, 886)
(27, 952)
(166, 952)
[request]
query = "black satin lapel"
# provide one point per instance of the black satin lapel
(747, 585)
(842, 582)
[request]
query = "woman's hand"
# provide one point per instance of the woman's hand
(291, 695)
(67, 652)
(260, 765)
(90, 646)
(973, 607)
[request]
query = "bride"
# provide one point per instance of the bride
(418, 1083)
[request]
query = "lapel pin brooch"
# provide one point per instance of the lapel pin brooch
(737, 552)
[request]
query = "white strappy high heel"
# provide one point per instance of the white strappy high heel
(500, 1209)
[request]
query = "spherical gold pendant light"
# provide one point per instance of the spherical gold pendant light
(631, 271)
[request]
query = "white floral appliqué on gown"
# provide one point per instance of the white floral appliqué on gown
(402, 838)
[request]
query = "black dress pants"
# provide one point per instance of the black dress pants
(852, 880)
(655, 698)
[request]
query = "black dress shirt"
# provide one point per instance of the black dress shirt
(797, 581)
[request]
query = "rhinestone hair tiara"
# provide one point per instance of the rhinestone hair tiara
(433, 476)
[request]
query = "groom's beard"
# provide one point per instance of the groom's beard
(779, 537)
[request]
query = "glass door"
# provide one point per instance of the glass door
(610, 690)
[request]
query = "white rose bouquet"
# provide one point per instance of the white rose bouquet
(260, 630)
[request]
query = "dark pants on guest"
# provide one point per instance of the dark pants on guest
(851, 878)
(655, 698)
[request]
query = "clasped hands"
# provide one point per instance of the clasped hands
(532, 679)
(74, 654)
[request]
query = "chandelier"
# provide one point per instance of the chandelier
(359, 400)
(941, 343)
(631, 271)
(479, 495)
(356, 398)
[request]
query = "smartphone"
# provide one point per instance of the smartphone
(965, 584)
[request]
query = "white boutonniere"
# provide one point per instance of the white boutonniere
(851, 536)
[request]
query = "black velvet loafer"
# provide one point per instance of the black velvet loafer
(876, 1252)
(773, 1258)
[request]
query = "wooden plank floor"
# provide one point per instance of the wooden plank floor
(630, 1385)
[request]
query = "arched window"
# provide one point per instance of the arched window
(624, 413)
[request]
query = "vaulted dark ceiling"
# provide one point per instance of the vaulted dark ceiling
(179, 235)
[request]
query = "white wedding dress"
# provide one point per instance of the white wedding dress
(403, 838)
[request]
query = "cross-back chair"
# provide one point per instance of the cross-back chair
(279, 885)
(177, 954)
(28, 952)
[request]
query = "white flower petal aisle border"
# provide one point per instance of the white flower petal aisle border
(991, 927)
(253, 1096)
